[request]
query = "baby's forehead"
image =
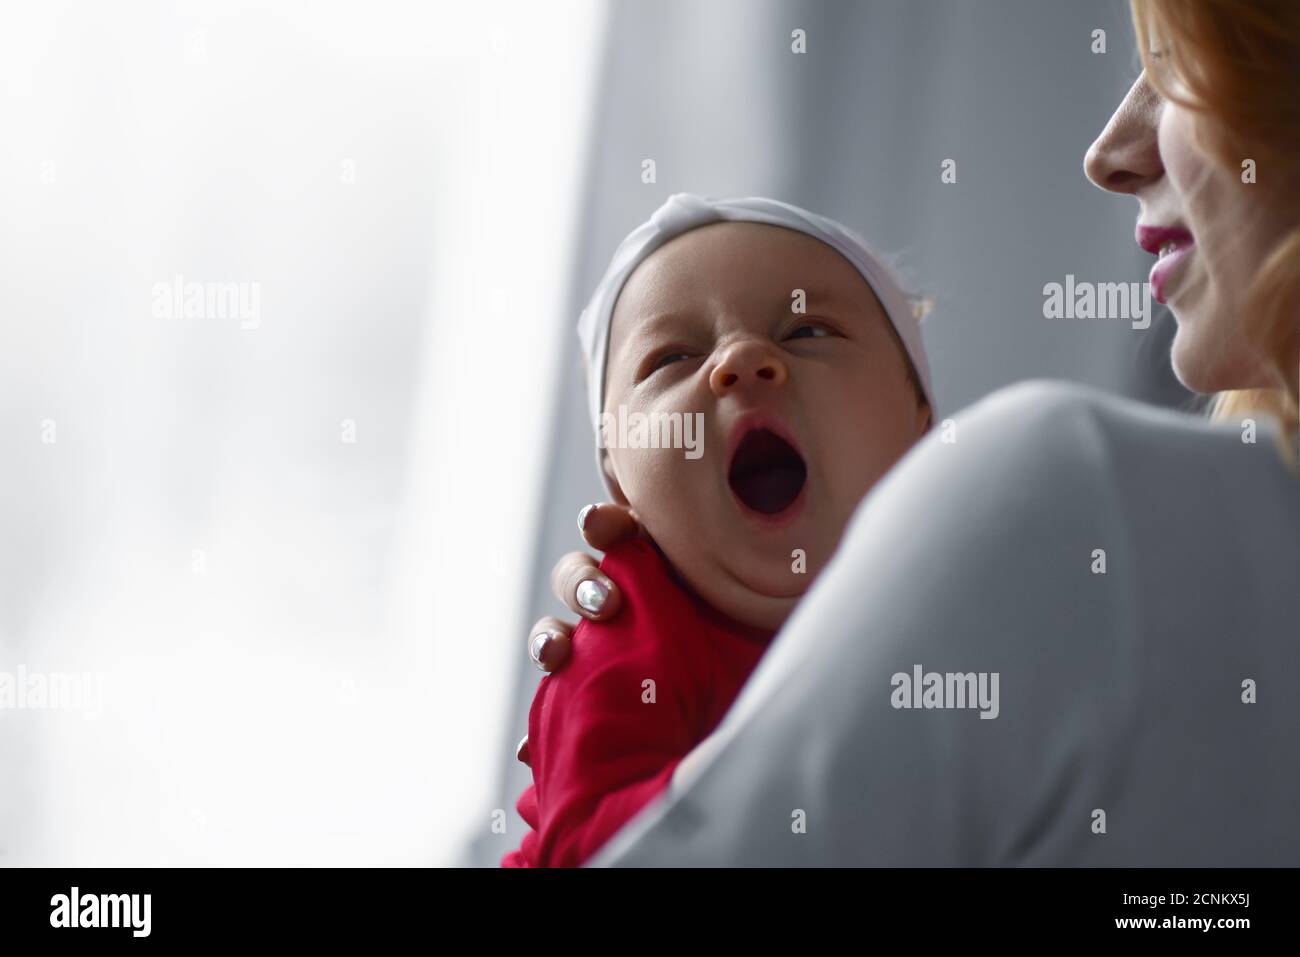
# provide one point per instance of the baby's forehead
(741, 265)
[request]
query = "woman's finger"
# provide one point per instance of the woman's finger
(605, 524)
(548, 643)
(584, 588)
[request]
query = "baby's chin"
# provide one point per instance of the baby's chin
(761, 599)
(757, 586)
(762, 611)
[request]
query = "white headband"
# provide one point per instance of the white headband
(683, 212)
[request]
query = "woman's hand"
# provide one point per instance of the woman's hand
(579, 583)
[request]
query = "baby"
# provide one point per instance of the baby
(781, 359)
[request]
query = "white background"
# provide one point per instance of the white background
(306, 646)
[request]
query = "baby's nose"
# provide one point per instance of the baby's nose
(745, 365)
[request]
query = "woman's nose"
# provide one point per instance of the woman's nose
(1126, 155)
(745, 365)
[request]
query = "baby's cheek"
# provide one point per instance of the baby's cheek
(859, 464)
(655, 480)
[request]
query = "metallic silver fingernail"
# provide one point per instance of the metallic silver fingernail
(535, 648)
(591, 595)
(583, 516)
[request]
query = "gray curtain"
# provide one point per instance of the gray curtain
(858, 128)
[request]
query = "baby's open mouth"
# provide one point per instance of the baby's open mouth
(766, 473)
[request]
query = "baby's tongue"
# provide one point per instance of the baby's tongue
(770, 489)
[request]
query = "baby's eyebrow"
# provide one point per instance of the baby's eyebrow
(644, 334)
(663, 321)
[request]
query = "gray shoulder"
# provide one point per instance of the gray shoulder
(1075, 423)
(1010, 529)
(1075, 443)
(1054, 523)
(1036, 440)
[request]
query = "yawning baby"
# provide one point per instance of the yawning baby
(792, 352)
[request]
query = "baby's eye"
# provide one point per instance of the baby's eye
(807, 331)
(667, 359)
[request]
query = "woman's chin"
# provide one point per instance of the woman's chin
(1206, 368)
(1190, 372)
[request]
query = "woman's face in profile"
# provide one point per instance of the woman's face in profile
(1208, 226)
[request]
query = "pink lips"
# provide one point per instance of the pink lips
(1152, 239)
(758, 420)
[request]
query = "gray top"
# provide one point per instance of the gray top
(1108, 578)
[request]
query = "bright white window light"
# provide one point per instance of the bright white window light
(289, 553)
(505, 236)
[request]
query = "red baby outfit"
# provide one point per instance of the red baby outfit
(636, 695)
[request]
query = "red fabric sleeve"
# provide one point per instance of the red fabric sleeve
(602, 752)
(599, 750)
